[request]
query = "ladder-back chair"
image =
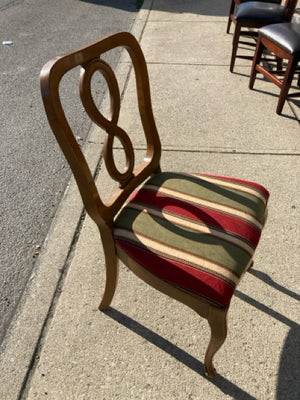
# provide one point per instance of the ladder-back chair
(253, 15)
(284, 41)
(237, 3)
(189, 235)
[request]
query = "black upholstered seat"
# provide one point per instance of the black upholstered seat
(237, 3)
(253, 15)
(286, 36)
(261, 11)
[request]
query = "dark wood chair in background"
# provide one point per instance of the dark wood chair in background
(189, 235)
(253, 15)
(284, 41)
(235, 3)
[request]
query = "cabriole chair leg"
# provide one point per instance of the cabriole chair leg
(217, 320)
(112, 273)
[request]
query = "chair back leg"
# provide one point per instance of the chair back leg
(286, 84)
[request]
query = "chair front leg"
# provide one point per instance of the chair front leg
(112, 269)
(231, 10)
(217, 319)
(256, 61)
(235, 43)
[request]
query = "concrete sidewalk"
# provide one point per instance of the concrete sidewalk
(148, 346)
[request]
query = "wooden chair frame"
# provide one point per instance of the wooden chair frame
(251, 31)
(238, 2)
(285, 83)
(103, 214)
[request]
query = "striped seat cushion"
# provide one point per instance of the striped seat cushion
(196, 231)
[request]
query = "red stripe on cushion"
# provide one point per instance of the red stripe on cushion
(197, 281)
(219, 220)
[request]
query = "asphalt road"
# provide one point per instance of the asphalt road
(33, 172)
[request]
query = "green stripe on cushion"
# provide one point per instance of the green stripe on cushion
(196, 225)
(234, 198)
(203, 245)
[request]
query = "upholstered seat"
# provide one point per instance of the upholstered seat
(196, 231)
(284, 41)
(261, 11)
(238, 2)
(286, 36)
(254, 15)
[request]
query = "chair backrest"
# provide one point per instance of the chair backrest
(290, 7)
(90, 58)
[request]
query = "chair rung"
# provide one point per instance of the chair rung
(269, 75)
(278, 72)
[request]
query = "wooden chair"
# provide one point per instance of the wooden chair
(253, 15)
(284, 41)
(237, 3)
(189, 235)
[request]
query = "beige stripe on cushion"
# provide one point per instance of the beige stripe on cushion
(197, 200)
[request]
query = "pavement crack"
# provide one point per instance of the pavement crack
(221, 151)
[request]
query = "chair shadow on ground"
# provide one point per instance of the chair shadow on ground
(267, 279)
(185, 358)
(291, 101)
(203, 7)
(289, 366)
(288, 374)
(294, 103)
